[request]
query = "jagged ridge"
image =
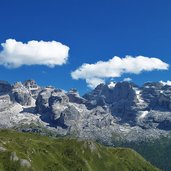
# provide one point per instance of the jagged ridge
(123, 110)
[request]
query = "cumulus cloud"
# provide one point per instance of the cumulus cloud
(94, 81)
(115, 67)
(127, 79)
(166, 83)
(15, 54)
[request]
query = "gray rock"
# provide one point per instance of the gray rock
(74, 97)
(21, 94)
(25, 163)
(96, 98)
(5, 102)
(151, 93)
(123, 91)
(68, 117)
(32, 86)
(58, 96)
(57, 103)
(6, 98)
(164, 101)
(14, 156)
(42, 101)
(2, 149)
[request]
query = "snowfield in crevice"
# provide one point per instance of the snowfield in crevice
(143, 114)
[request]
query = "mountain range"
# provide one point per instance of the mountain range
(119, 110)
(116, 114)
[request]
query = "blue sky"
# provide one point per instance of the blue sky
(93, 30)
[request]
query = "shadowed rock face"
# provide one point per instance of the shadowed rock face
(120, 99)
(54, 105)
(57, 103)
(165, 125)
(157, 95)
(42, 101)
(21, 94)
(32, 86)
(164, 101)
(5, 95)
(123, 91)
(5, 87)
(124, 101)
(95, 98)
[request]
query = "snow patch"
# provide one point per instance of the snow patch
(138, 94)
(143, 114)
(166, 83)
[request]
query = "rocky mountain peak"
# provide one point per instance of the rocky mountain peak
(104, 95)
(29, 83)
(74, 97)
(21, 94)
(58, 96)
(124, 91)
(157, 85)
(73, 91)
(32, 86)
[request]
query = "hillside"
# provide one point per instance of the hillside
(32, 152)
(157, 151)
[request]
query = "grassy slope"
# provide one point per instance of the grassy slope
(158, 151)
(48, 154)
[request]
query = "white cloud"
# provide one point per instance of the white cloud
(16, 54)
(166, 83)
(127, 79)
(111, 84)
(93, 82)
(115, 67)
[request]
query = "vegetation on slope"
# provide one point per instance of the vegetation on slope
(157, 151)
(32, 152)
